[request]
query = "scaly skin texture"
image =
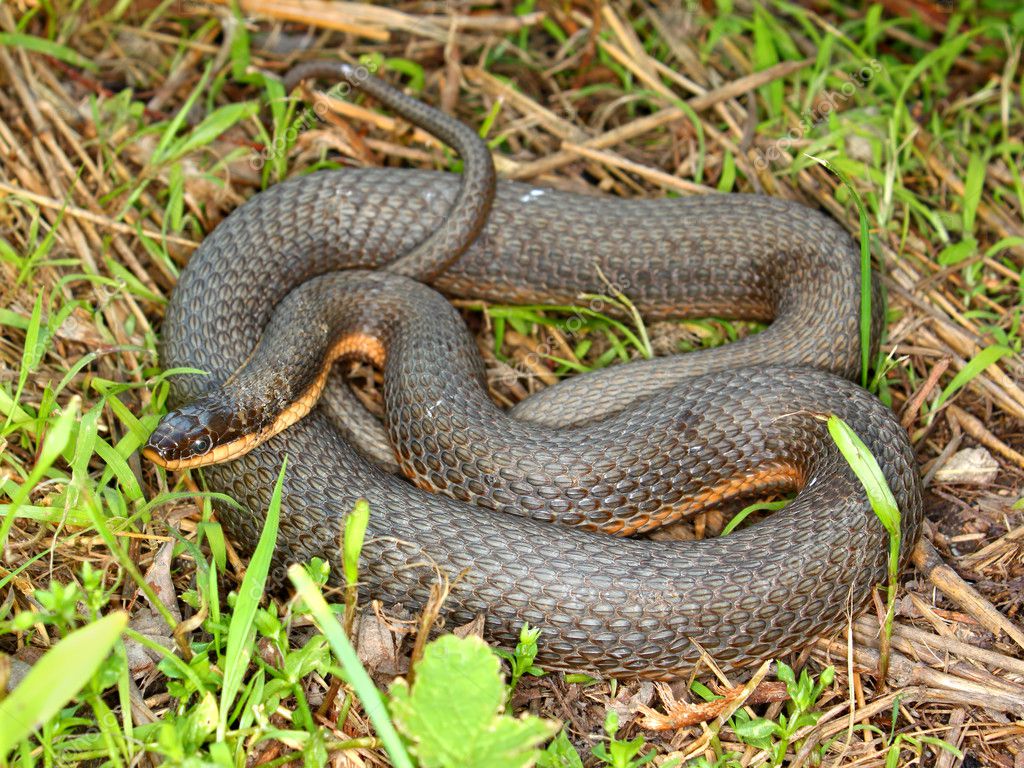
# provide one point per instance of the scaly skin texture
(620, 607)
(467, 215)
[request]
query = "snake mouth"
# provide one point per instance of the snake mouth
(174, 449)
(220, 453)
(205, 432)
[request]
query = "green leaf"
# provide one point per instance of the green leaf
(703, 691)
(868, 472)
(560, 754)
(973, 186)
(611, 723)
(865, 269)
(57, 677)
(215, 124)
(581, 678)
(727, 179)
(34, 348)
(175, 197)
(760, 506)
(452, 713)
(957, 252)
(355, 533)
(941, 744)
(410, 69)
(488, 122)
(766, 55)
(169, 132)
(756, 730)
(57, 438)
(202, 720)
(892, 757)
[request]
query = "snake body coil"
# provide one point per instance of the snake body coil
(617, 606)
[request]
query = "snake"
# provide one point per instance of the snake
(514, 508)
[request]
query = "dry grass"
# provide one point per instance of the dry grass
(636, 100)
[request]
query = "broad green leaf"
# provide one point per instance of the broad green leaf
(560, 754)
(866, 468)
(452, 713)
(355, 532)
(202, 720)
(957, 252)
(56, 678)
(757, 729)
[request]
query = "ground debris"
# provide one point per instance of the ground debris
(974, 466)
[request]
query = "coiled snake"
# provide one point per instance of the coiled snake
(618, 450)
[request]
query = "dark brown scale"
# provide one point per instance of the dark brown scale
(617, 606)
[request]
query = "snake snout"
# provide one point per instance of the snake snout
(192, 436)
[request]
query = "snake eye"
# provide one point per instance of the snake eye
(201, 445)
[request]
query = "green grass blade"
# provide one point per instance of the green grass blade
(167, 137)
(865, 271)
(15, 415)
(32, 352)
(973, 186)
(48, 48)
(866, 468)
(977, 364)
(242, 628)
(411, 69)
(213, 125)
(56, 678)
(355, 534)
(99, 521)
(354, 671)
(54, 444)
(743, 514)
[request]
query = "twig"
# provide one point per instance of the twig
(949, 582)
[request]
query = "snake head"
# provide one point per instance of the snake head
(207, 431)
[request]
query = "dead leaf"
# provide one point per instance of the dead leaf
(680, 714)
(973, 466)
